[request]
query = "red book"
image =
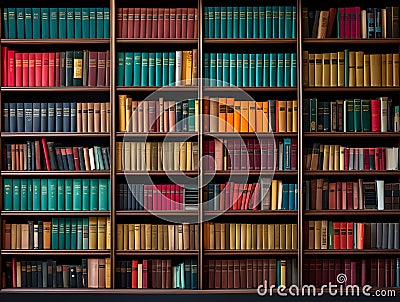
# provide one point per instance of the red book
(375, 115)
(178, 23)
(293, 159)
(134, 273)
(166, 24)
(11, 68)
(344, 196)
(149, 17)
(382, 156)
(376, 158)
(352, 18)
(336, 235)
(124, 23)
(38, 69)
(358, 26)
(38, 163)
(75, 153)
(184, 23)
(154, 23)
(347, 270)
(235, 199)
(46, 154)
(18, 69)
(353, 267)
(160, 23)
(256, 196)
(25, 69)
(346, 158)
(136, 23)
(119, 21)
(342, 22)
(366, 158)
(108, 66)
(343, 235)
(45, 69)
(332, 276)
(14, 272)
(171, 190)
(142, 33)
(57, 67)
(127, 25)
(92, 77)
(52, 62)
(172, 22)
(350, 236)
(181, 199)
(332, 196)
(167, 200)
(381, 273)
(347, 21)
(338, 196)
(190, 23)
(196, 23)
(4, 73)
(101, 68)
(360, 236)
(145, 269)
(349, 195)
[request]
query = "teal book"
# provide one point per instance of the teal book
(272, 69)
(24, 194)
(259, 70)
(266, 72)
(349, 111)
(245, 70)
(191, 118)
(365, 116)
(232, 69)
(74, 234)
(144, 71)
(296, 197)
(213, 69)
(206, 65)
(43, 195)
(165, 68)
(85, 23)
(109, 194)
(219, 68)
(280, 72)
(30, 194)
(60, 194)
(211, 33)
(85, 234)
(137, 65)
(225, 69)
(292, 199)
(288, 22)
(79, 233)
(77, 194)
(94, 195)
(99, 23)
(97, 149)
(20, 23)
(78, 22)
(103, 194)
(224, 16)
(106, 16)
(120, 68)
(68, 194)
(239, 70)
(287, 66)
(70, 23)
(12, 23)
(313, 115)
(52, 194)
(54, 234)
(261, 23)
(285, 197)
(249, 22)
(36, 194)
(346, 68)
(294, 25)
(61, 233)
(357, 117)
(242, 22)
(293, 69)
(268, 21)
(275, 22)
(206, 25)
(338, 24)
(128, 70)
(67, 233)
(278, 272)
(229, 22)
(158, 70)
(252, 70)
(45, 22)
(5, 22)
(53, 23)
(171, 68)
(96, 157)
(92, 23)
(235, 23)
(256, 22)
(85, 194)
(62, 23)
(36, 32)
(281, 22)
(28, 23)
(152, 69)
(217, 22)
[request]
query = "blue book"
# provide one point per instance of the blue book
(223, 32)
(242, 22)
(268, 21)
(256, 22)
(293, 69)
(259, 70)
(70, 23)
(275, 22)
(288, 22)
(219, 69)
(213, 69)
(294, 17)
(165, 68)
(5, 22)
(61, 233)
(249, 22)
(287, 146)
(288, 67)
(370, 22)
(272, 69)
(235, 23)
(66, 116)
(77, 194)
(78, 22)
(285, 197)
(36, 117)
(43, 194)
(20, 117)
(296, 197)
(73, 234)
(211, 33)
(28, 23)
(68, 188)
(232, 69)
(12, 111)
(67, 233)
(50, 122)
(229, 22)
(281, 22)
(292, 198)
(266, 72)
(45, 11)
(120, 69)
(72, 114)
(92, 23)
(178, 117)
(280, 70)
(252, 70)
(62, 23)
(59, 117)
(85, 230)
(24, 194)
(30, 195)
(60, 194)
(245, 70)
(43, 117)
(261, 23)
(171, 68)
(85, 23)
(20, 23)
(12, 23)
(36, 32)
(225, 69)
(130, 70)
(28, 113)
(106, 16)
(152, 69)
(206, 20)
(79, 233)
(53, 23)
(158, 70)
(99, 23)
(217, 22)
(206, 64)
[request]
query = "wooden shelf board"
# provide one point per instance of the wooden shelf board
(312, 213)
(246, 41)
(55, 173)
(55, 134)
(56, 89)
(56, 252)
(55, 213)
(53, 41)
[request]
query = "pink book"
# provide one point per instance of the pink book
(163, 197)
(181, 199)
(342, 22)
(157, 121)
(358, 24)
(250, 150)
(171, 116)
(167, 203)
(177, 197)
(347, 22)
(171, 189)
(270, 154)
(293, 159)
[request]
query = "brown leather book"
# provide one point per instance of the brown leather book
(102, 273)
(46, 234)
(259, 271)
(192, 235)
(93, 273)
(311, 234)
(323, 24)
(101, 68)
(318, 202)
(242, 270)
(124, 22)
(90, 118)
(168, 281)
(331, 21)
(230, 273)
(160, 238)
(93, 233)
(154, 240)
(224, 274)
(97, 117)
(186, 235)
(211, 274)
(381, 273)
(194, 67)
(101, 233)
(92, 77)
(272, 272)
(218, 274)
(163, 273)
(85, 120)
(236, 273)
(254, 273)
(126, 236)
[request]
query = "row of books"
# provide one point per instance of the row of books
(147, 22)
(337, 157)
(250, 69)
(351, 115)
(375, 272)
(323, 234)
(157, 273)
(43, 155)
(90, 273)
(157, 237)
(246, 236)
(55, 69)
(157, 116)
(157, 156)
(52, 194)
(228, 114)
(93, 233)
(250, 22)
(56, 23)
(350, 69)
(249, 273)
(322, 194)
(57, 117)
(157, 68)
(250, 154)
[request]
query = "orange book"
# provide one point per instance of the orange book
(259, 117)
(230, 114)
(219, 155)
(281, 116)
(244, 116)
(252, 116)
(265, 121)
(222, 115)
(236, 116)
(289, 116)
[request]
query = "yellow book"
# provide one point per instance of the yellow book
(108, 272)
(325, 164)
(131, 236)
(147, 231)
(375, 63)
(127, 156)
(281, 107)
(317, 234)
(282, 236)
(137, 236)
(196, 115)
(230, 103)
(318, 69)
(212, 236)
(108, 234)
(101, 232)
(283, 273)
(237, 233)
(217, 227)
(334, 69)
(223, 234)
(236, 116)
(311, 234)
(206, 236)
(244, 239)
(295, 112)
(253, 236)
(359, 68)
(93, 233)
(396, 81)
(187, 68)
(252, 116)
(289, 116)
(311, 70)
(337, 157)
(331, 157)
(341, 68)
(120, 236)
(326, 73)
(244, 116)
(389, 69)
(305, 68)
(294, 236)
(259, 236)
(189, 156)
(118, 155)
(148, 155)
(352, 68)
(259, 117)
(274, 194)
(128, 114)
(182, 157)
(122, 112)
(213, 115)
(383, 69)
(277, 236)
(248, 235)
(367, 71)
(160, 239)
(342, 157)
(232, 236)
(265, 120)
(288, 240)
(265, 236)
(271, 236)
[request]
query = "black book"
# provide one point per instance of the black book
(30, 227)
(59, 117)
(320, 117)
(73, 116)
(45, 271)
(129, 274)
(84, 273)
(23, 274)
(49, 273)
(81, 159)
(28, 114)
(125, 189)
(72, 276)
(70, 159)
(40, 224)
(39, 274)
(65, 275)
(59, 276)
(33, 156)
(60, 163)
(8, 156)
(118, 274)
(315, 25)
(52, 156)
(105, 158)
(64, 158)
(28, 275)
(43, 117)
(69, 68)
(66, 117)
(9, 277)
(123, 274)
(78, 271)
(120, 196)
(36, 117)
(129, 197)
(12, 112)
(54, 269)
(20, 117)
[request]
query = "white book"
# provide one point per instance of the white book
(35, 236)
(392, 158)
(175, 160)
(364, 24)
(140, 275)
(140, 116)
(178, 68)
(133, 156)
(174, 269)
(280, 158)
(384, 113)
(91, 157)
(171, 237)
(396, 119)
(134, 118)
(161, 114)
(280, 191)
(380, 194)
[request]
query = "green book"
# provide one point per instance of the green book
(225, 69)
(85, 194)
(106, 16)
(36, 31)
(152, 69)
(79, 236)
(252, 70)
(85, 234)
(45, 12)
(239, 69)
(12, 23)
(266, 72)
(242, 22)
(268, 21)
(357, 115)
(249, 22)
(92, 23)
(235, 23)
(229, 22)
(69, 68)
(165, 68)
(120, 68)
(5, 22)
(293, 70)
(330, 235)
(70, 23)
(62, 23)
(280, 70)
(53, 23)
(96, 158)
(77, 79)
(278, 272)
(20, 23)
(77, 194)
(8, 194)
(94, 194)
(36, 194)
(191, 117)
(67, 233)
(60, 194)
(61, 233)
(245, 70)
(275, 22)
(217, 22)
(28, 23)
(54, 234)
(365, 116)
(294, 25)
(158, 68)
(213, 69)
(52, 194)
(30, 194)
(349, 119)
(259, 70)
(346, 68)
(171, 68)
(77, 23)
(85, 23)
(68, 194)
(43, 195)
(73, 234)
(24, 194)
(129, 73)
(99, 23)
(103, 194)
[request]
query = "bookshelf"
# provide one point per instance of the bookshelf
(201, 89)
